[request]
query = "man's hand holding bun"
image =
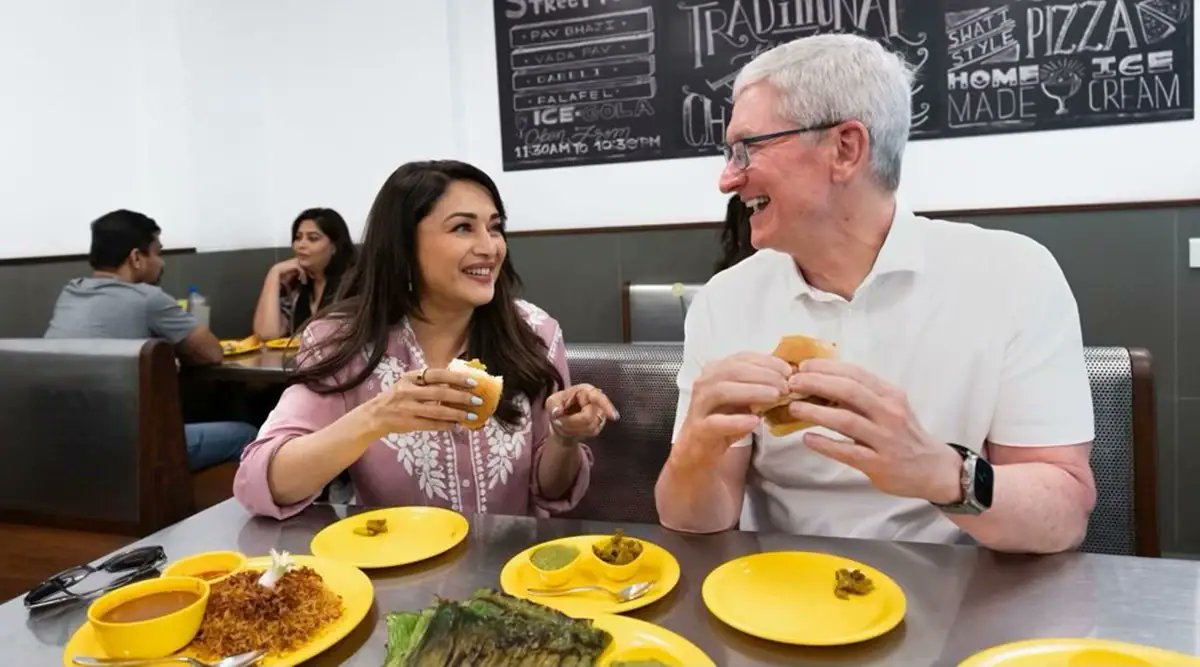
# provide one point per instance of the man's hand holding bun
(795, 350)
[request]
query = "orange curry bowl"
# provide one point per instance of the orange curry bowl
(149, 619)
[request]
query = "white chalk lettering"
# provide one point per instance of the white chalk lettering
(991, 106)
(545, 136)
(1134, 64)
(593, 132)
(703, 121)
(1160, 61)
(519, 8)
(745, 21)
(1068, 29)
(1145, 93)
(591, 113)
(1025, 75)
(554, 116)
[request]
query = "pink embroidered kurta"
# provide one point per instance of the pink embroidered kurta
(492, 470)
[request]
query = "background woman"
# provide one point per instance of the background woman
(296, 288)
(735, 235)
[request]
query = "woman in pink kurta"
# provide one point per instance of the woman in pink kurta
(372, 393)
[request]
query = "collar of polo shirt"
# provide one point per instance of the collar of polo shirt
(902, 252)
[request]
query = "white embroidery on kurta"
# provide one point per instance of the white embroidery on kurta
(420, 455)
(504, 447)
(473, 441)
(431, 457)
(455, 482)
(388, 371)
(419, 452)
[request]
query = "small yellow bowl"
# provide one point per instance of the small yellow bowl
(616, 572)
(558, 576)
(155, 637)
(205, 565)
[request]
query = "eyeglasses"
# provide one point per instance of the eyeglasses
(135, 563)
(738, 152)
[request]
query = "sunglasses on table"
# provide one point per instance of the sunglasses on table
(131, 565)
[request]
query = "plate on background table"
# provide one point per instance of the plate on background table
(356, 590)
(658, 565)
(634, 640)
(233, 348)
(1082, 652)
(413, 534)
(788, 596)
(292, 343)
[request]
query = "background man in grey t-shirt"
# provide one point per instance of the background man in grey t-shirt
(121, 299)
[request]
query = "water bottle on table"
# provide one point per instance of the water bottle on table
(198, 305)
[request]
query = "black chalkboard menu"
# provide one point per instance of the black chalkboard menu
(596, 81)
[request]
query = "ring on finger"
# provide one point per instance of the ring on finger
(421, 378)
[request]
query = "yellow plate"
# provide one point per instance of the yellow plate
(659, 566)
(787, 596)
(350, 583)
(413, 534)
(639, 640)
(292, 343)
(232, 348)
(1077, 653)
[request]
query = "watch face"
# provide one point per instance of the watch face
(983, 483)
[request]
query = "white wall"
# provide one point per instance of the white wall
(223, 119)
(70, 138)
(310, 103)
(1115, 164)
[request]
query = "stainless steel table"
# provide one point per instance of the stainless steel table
(262, 367)
(960, 599)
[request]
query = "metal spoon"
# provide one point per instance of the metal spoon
(627, 594)
(240, 660)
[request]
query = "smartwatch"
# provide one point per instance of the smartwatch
(976, 480)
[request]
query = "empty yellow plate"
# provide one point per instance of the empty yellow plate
(658, 565)
(1077, 653)
(787, 596)
(357, 595)
(413, 534)
(635, 640)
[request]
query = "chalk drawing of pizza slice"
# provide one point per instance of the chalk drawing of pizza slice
(1159, 18)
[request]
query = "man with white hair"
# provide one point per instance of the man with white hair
(959, 403)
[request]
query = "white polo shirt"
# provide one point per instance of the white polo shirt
(979, 327)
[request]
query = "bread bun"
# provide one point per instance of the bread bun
(795, 350)
(490, 388)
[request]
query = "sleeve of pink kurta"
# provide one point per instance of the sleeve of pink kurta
(300, 411)
(544, 506)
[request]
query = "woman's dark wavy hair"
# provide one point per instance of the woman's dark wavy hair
(384, 286)
(735, 235)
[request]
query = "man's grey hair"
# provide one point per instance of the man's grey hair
(841, 77)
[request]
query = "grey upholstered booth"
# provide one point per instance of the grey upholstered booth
(640, 379)
(92, 437)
